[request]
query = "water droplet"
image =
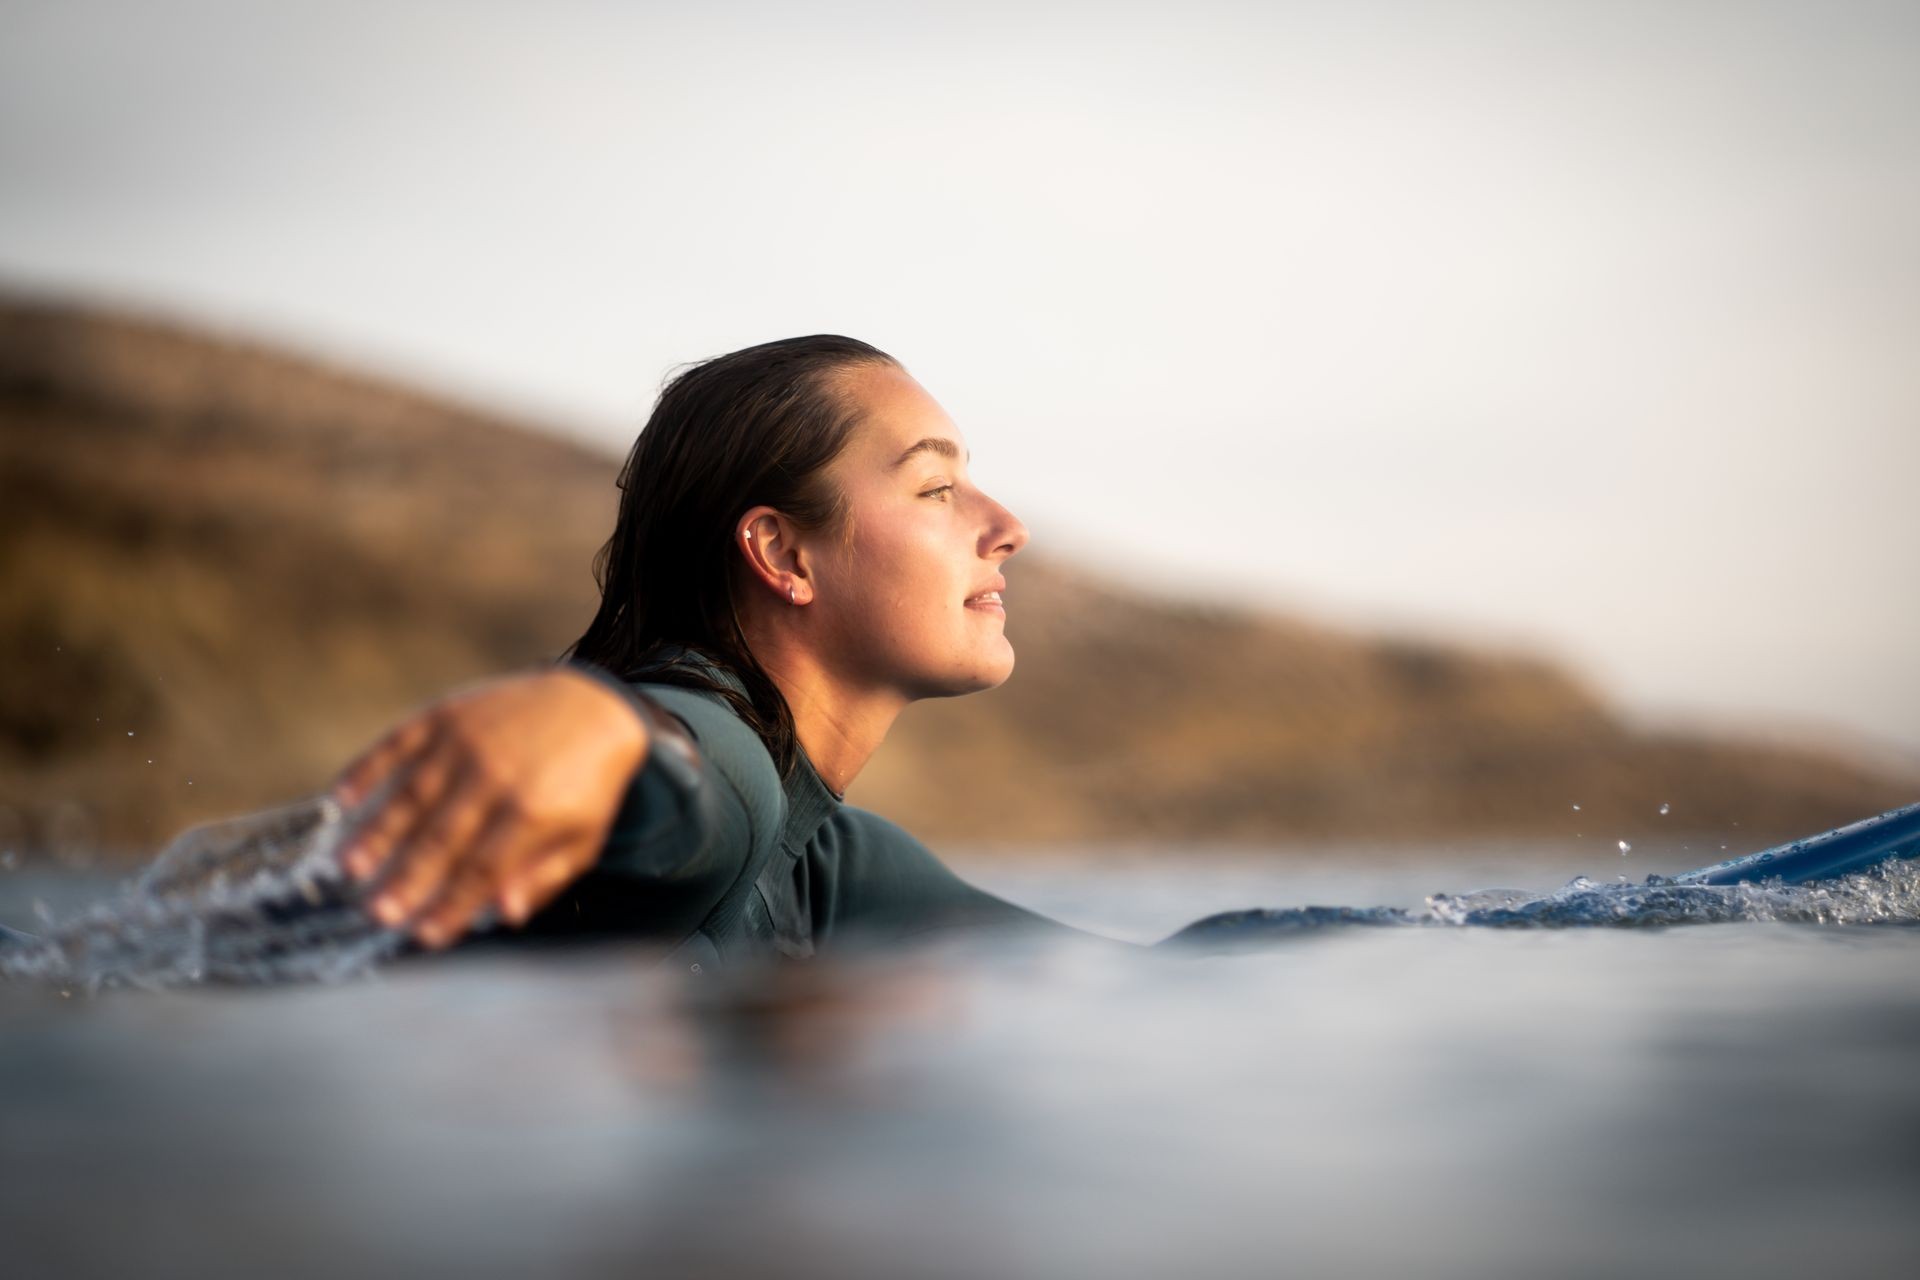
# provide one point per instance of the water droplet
(129, 733)
(1625, 848)
(1665, 809)
(1576, 808)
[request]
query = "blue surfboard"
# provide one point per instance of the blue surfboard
(1854, 847)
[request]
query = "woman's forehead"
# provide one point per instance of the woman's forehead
(900, 421)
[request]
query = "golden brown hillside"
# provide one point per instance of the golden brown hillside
(224, 569)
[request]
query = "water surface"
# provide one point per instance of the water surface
(1726, 1099)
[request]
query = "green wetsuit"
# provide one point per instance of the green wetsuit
(712, 850)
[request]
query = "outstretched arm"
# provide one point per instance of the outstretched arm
(497, 795)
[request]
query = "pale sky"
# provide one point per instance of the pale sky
(1589, 328)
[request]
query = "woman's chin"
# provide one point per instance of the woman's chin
(996, 668)
(988, 671)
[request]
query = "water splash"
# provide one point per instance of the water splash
(254, 899)
(262, 898)
(1888, 894)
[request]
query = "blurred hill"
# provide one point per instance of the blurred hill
(225, 569)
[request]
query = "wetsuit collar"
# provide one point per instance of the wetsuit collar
(809, 802)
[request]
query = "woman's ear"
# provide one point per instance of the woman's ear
(771, 544)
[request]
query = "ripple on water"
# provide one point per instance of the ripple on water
(262, 899)
(1887, 894)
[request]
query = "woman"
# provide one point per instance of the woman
(800, 553)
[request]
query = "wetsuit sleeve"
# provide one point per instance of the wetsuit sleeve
(876, 882)
(704, 799)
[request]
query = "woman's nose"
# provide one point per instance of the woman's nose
(1005, 533)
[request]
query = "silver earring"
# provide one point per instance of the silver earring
(790, 599)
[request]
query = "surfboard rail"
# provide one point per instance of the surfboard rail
(1854, 847)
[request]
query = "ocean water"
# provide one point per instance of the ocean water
(1419, 1094)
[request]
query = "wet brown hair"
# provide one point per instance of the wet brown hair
(754, 427)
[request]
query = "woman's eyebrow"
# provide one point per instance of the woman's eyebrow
(932, 444)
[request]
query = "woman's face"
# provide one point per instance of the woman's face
(907, 593)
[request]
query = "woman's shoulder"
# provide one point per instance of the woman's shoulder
(727, 745)
(714, 723)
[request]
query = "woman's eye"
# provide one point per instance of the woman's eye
(941, 492)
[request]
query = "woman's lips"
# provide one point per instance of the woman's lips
(987, 601)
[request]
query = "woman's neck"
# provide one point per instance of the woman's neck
(839, 725)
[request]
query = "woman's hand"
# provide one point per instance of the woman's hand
(500, 794)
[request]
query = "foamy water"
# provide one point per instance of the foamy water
(259, 898)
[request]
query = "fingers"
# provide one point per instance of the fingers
(363, 776)
(541, 881)
(420, 787)
(519, 883)
(529, 881)
(513, 888)
(439, 841)
(470, 884)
